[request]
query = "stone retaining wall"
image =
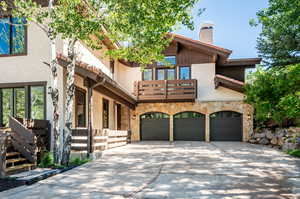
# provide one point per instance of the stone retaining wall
(205, 108)
(282, 138)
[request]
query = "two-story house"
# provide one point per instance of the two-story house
(199, 98)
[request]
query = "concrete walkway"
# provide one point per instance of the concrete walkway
(189, 170)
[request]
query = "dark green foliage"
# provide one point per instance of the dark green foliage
(78, 161)
(279, 42)
(47, 160)
(295, 153)
(275, 93)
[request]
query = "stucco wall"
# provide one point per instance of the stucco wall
(205, 108)
(205, 74)
(31, 67)
(97, 107)
(126, 76)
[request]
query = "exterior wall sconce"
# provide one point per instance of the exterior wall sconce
(133, 116)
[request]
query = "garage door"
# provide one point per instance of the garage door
(154, 126)
(226, 126)
(189, 126)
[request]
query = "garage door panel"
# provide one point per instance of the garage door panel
(226, 126)
(154, 126)
(189, 129)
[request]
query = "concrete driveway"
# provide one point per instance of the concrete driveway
(158, 170)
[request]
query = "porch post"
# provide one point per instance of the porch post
(207, 128)
(89, 120)
(171, 127)
(89, 84)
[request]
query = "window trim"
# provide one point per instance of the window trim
(190, 75)
(25, 41)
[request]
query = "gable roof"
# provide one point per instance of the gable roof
(201, 45)
(247, 62)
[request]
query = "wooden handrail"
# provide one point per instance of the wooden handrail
(23, 140)
(166, 90)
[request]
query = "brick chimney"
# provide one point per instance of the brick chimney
(207, 33)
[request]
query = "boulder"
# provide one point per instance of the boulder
(269, 134)
(253, 141)
(294, 130)
(280, 141)
(264, 141)
(274, 141)
(288, 146)
(259, 135)
(280, 133)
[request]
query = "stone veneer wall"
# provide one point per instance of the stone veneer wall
(206, 108)
(125, 114)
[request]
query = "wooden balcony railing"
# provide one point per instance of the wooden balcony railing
(166, 90)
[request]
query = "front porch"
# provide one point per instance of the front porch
(102, 109)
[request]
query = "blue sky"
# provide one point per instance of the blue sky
(232, 29)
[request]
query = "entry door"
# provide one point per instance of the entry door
(189, 126)
(154, 126)
(226, 126)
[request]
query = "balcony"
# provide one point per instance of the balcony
(166, 90)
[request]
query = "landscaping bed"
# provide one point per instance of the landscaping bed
(8, 183)
(46, 169)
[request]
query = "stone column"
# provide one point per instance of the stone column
(171, 129)
(207, 129)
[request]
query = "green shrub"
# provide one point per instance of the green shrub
(78, 161)
(47, 160)
(275, 93)
(295, 153)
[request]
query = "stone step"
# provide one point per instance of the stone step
(19, 168)
(12, 154)
(10, 161)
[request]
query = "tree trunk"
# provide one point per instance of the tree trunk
(67, 133)
(54, 94)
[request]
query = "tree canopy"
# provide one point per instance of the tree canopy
(141, 27)
(275, 93)
(279, 41)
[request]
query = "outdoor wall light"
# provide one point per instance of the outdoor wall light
(134, 116)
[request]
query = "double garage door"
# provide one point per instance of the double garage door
(190, 126)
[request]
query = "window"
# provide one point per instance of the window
(169, 59)
(22, 101)
(186, 115)
(12, 36)
(155, 115)
(80, 106)
(37, 102)
(165, 74)
(147, 74)
(19, 102)
(6, 105)
(185, 72)
(105, 116)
